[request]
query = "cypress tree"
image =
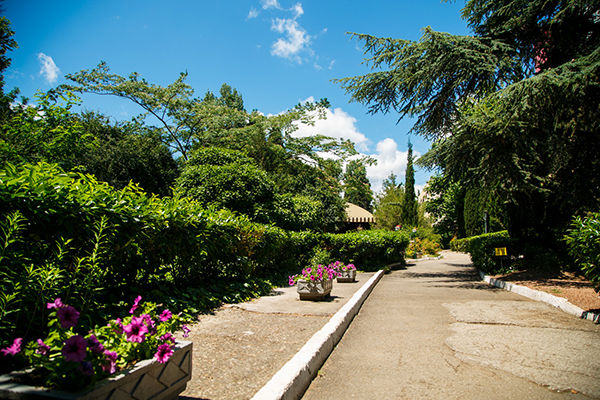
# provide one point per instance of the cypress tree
(410, 215)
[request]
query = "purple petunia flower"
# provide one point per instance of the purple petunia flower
(94, 344)
(67, 316)
(43, 348)
(136, 330)
(165, 316)
(149, 323)
(57, 304)
(14, 348)
(136, 302)
(74, 348)
(86, 368)
(165, 351)
(167, 337)
(110, 363)
(186, 330)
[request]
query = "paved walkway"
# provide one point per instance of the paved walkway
(436, 331)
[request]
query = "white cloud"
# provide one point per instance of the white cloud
(270, 4)
(253, 13)
(339, 125)
(298, 10)
(296, 39)
(389, 160)
(48, 69)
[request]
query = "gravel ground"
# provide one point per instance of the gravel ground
(236, 352)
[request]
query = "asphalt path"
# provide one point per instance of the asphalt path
(434, 330)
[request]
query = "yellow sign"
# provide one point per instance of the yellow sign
(501, 251)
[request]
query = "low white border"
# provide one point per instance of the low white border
(293, 378)
(547, 298)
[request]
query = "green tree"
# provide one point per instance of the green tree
(226, 179)
(48, 131)
(410, 215)
(7, 43)
(388, 204)
(128, 152)
(357, 188)
(445, 204)
(512, 108)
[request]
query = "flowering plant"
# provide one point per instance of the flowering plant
(339, 266)
(71, 361)
(318, 273)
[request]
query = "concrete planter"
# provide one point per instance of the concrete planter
(148, 379)
(314, 290)
(347, 276)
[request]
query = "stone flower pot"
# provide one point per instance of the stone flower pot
(314, 290)
(147, 379)
(347, 276)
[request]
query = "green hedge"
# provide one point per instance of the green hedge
(369, 250)
(67, 235)
(583, 241)
(482, 250)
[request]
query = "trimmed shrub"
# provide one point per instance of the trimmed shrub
(583, 241)
(369, 250)
(482, 250)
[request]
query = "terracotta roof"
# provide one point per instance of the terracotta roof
(355, 213)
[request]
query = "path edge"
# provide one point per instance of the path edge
(544, 297)
(292, 380)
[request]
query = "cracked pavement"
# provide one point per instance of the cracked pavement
(435, 330)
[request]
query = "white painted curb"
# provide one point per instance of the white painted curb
(293, 378)
(547, 298)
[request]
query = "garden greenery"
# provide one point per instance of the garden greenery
(482, 251)
(583, 240)
(70, 360)
(64, 234)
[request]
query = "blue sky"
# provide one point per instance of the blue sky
(276, 53)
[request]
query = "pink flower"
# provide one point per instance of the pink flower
(150, 324)
(118, 326)
(95, 346)
(14, 348)
(74, 348)
(136, 330)
(291, 278)
(136, 302)
(186, 330)
(57, 304)
(67, 316)
(165, 316)
(167, 337)
(164, 353)
(43, 348)
(110, 363)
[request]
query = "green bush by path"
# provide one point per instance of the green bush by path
(482, 250)
(369, 250)
(583, 241)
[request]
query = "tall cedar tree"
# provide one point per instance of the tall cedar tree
(513, 109)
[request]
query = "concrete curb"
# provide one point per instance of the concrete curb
(292, 380)
(547, 298)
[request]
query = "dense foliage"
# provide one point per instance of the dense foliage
(357, 188)
(483, 254)
(388, 204)
(67, 235)
(583, 240)
(513, 109)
